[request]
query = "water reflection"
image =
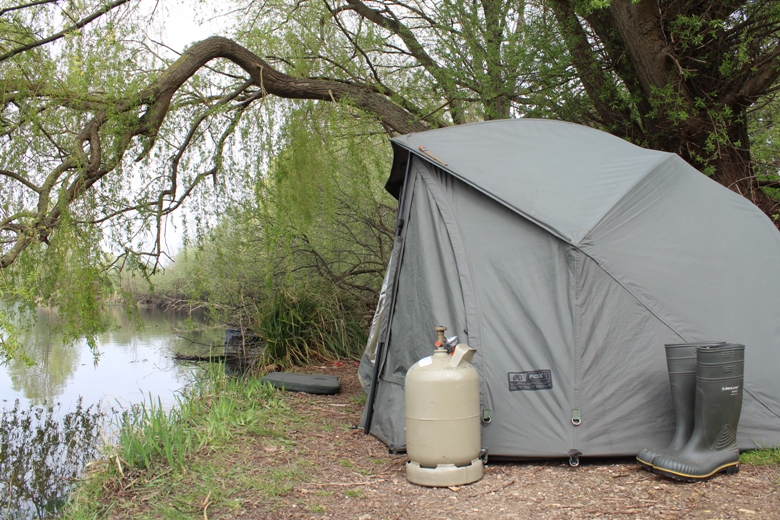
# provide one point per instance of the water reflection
(134, 359)
(41, 455)
(51, 411)
(54, 362)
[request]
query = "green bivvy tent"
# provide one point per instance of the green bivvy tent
(568, 257)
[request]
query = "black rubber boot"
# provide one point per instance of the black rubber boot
(712, 448)
(681, 363)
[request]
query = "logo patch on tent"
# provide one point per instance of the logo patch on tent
(533, 380)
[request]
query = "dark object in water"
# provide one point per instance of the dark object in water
(238, 342)
(241, 347)
(212, 358)
(240, 350)
(309, 383)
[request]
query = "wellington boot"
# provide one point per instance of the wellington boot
(681, 363)
(712, 447)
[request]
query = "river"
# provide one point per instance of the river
(56, 413)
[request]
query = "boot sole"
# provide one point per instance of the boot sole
(728, 469)
(646, 465)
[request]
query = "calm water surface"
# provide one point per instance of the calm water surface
(54, 414)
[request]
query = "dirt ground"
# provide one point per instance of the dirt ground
(353, 476)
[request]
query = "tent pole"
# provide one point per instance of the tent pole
(380, 346)
(374, 384)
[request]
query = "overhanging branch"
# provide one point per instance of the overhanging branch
(69, 29)
(87, 162)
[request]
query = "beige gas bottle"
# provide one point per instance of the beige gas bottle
(443, 429)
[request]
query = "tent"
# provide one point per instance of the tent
(568, 257)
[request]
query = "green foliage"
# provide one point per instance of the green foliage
(46, 93)
(446, 62)
(761, 457)
(10, 345)
(69, 276)
(764, 127)
(181, 453)
(299, 329)
(301, 264)
(322, 210)
(154, 438)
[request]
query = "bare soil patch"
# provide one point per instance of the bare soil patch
(352, 475)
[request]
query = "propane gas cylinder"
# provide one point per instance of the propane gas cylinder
(443, 428)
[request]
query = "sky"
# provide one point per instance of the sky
(177, 25)
(180, 26)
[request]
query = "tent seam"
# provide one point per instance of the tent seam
(663, 159)
(629, 291)
(761, 402)
(465, 277)
(492, 196)
(577, 339)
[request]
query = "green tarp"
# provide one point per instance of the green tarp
(557, 249)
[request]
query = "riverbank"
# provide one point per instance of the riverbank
(55, 413)
(281, 455)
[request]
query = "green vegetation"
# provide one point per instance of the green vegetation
(149, 436)
(41, 453)
(189, 456)
(274, 136)
(299, 330)
(301, 263)
(761, 457)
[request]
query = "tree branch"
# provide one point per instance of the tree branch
(416, 50)
(78, 25)
(19, 178)
(25, 6)
(93, 166)
(598, 85)
(767, 71)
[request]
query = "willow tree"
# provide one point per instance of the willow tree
(104, 136)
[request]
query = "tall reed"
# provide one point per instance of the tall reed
(301, 327)
(152, 437)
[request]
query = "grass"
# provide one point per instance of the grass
(761, 457)
(354, 493)
(222, 449)
(299, 328)
(149, 436)
(189, 461)
(280, 481)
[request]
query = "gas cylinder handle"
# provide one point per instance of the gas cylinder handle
(462, 353)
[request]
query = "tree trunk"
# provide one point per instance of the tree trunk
(729, 163)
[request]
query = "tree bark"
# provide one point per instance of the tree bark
(275, 83)
(91, 166)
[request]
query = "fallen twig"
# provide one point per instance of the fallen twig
(367, 482)
(500, 488)
(205, 505)
(401, 512)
